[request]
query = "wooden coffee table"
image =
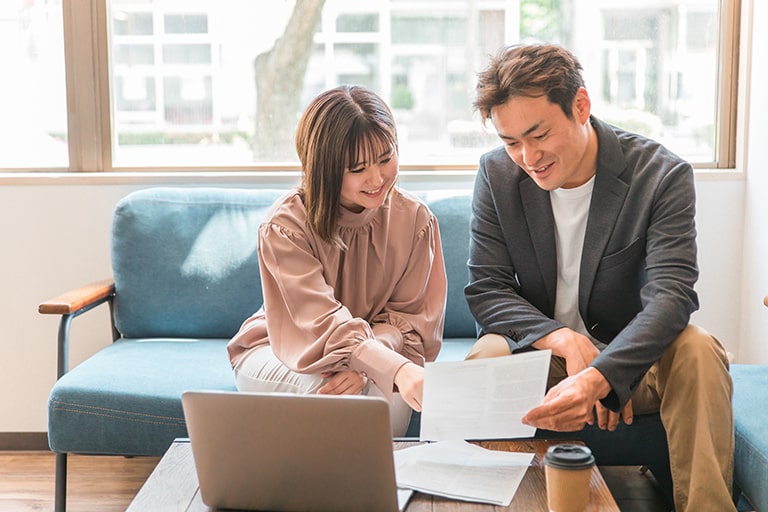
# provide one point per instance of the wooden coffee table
(173, 484)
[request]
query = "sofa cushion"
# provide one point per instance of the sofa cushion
(455, 349)
(126, 398)
(750, 396)
(185, 262)
(452, 211)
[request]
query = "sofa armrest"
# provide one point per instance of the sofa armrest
(72, 304)
(75, 300)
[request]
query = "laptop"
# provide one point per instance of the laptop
(288, 452)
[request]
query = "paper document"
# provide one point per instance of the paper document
(483, 398)
(403, 497)
(462, 471)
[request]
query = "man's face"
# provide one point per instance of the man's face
(555, 151)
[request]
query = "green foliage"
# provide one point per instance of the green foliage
(541, 20)
(402, 98)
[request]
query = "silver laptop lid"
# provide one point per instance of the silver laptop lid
(291, 452)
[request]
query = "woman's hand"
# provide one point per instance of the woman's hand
(409, 380)
(342, 383)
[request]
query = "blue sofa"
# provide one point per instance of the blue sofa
(750, 414)
(185, 276)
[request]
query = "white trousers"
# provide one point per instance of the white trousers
(261, 371)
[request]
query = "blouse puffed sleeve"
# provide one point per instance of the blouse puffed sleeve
(415, 313)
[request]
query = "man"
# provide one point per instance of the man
(583, 242)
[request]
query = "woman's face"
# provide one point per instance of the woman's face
(366, 184)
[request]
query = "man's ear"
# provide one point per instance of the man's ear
(582, 105)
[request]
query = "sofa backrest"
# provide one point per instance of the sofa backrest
(452, 208)
(186, 266)
(185, 262)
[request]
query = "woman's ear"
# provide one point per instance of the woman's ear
(582, 105)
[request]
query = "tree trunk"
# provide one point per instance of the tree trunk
(279, 83)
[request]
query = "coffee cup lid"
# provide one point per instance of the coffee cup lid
(569, 456)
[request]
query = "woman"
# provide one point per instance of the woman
(352, 268)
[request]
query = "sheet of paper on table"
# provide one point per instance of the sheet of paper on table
(462, 471)
(483, 398)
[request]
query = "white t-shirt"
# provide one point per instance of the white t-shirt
(570, 207)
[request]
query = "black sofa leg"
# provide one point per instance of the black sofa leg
(60, 503)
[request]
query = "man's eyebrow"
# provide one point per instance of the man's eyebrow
(531, 129)
(525, 133)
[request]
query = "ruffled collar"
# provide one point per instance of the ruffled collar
(349, 219)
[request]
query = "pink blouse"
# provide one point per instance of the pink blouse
(370, 308)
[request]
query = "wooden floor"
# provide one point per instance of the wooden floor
(106, 484)
(96, 484)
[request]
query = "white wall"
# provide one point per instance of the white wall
(753, 319)
(54, 235)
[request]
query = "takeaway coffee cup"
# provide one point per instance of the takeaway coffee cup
(568, 468)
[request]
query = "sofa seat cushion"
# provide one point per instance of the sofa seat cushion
(455, 349)
(750, 396)
(126, 398)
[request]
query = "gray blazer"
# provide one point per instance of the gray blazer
(638, 267)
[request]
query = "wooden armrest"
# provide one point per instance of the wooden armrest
(75, 300)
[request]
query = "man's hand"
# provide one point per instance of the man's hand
(607, 419)
(409, 380)
(342, 383)
(577, 350)
(569, 405)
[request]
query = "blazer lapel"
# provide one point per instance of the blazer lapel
(607, 200)
(538, 215)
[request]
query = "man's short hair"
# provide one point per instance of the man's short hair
(529, 71)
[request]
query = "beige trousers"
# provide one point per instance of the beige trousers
(261, 371)
(691, 388)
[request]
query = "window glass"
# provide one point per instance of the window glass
(186, 24)
(224, 83)
(137, 23)
(187, 54)
(33, 102)
(133, 54)
(357, 23)
(446, 28)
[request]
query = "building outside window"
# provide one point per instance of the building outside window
(196, 83)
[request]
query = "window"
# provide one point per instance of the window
(206, 84)
(33, 126)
